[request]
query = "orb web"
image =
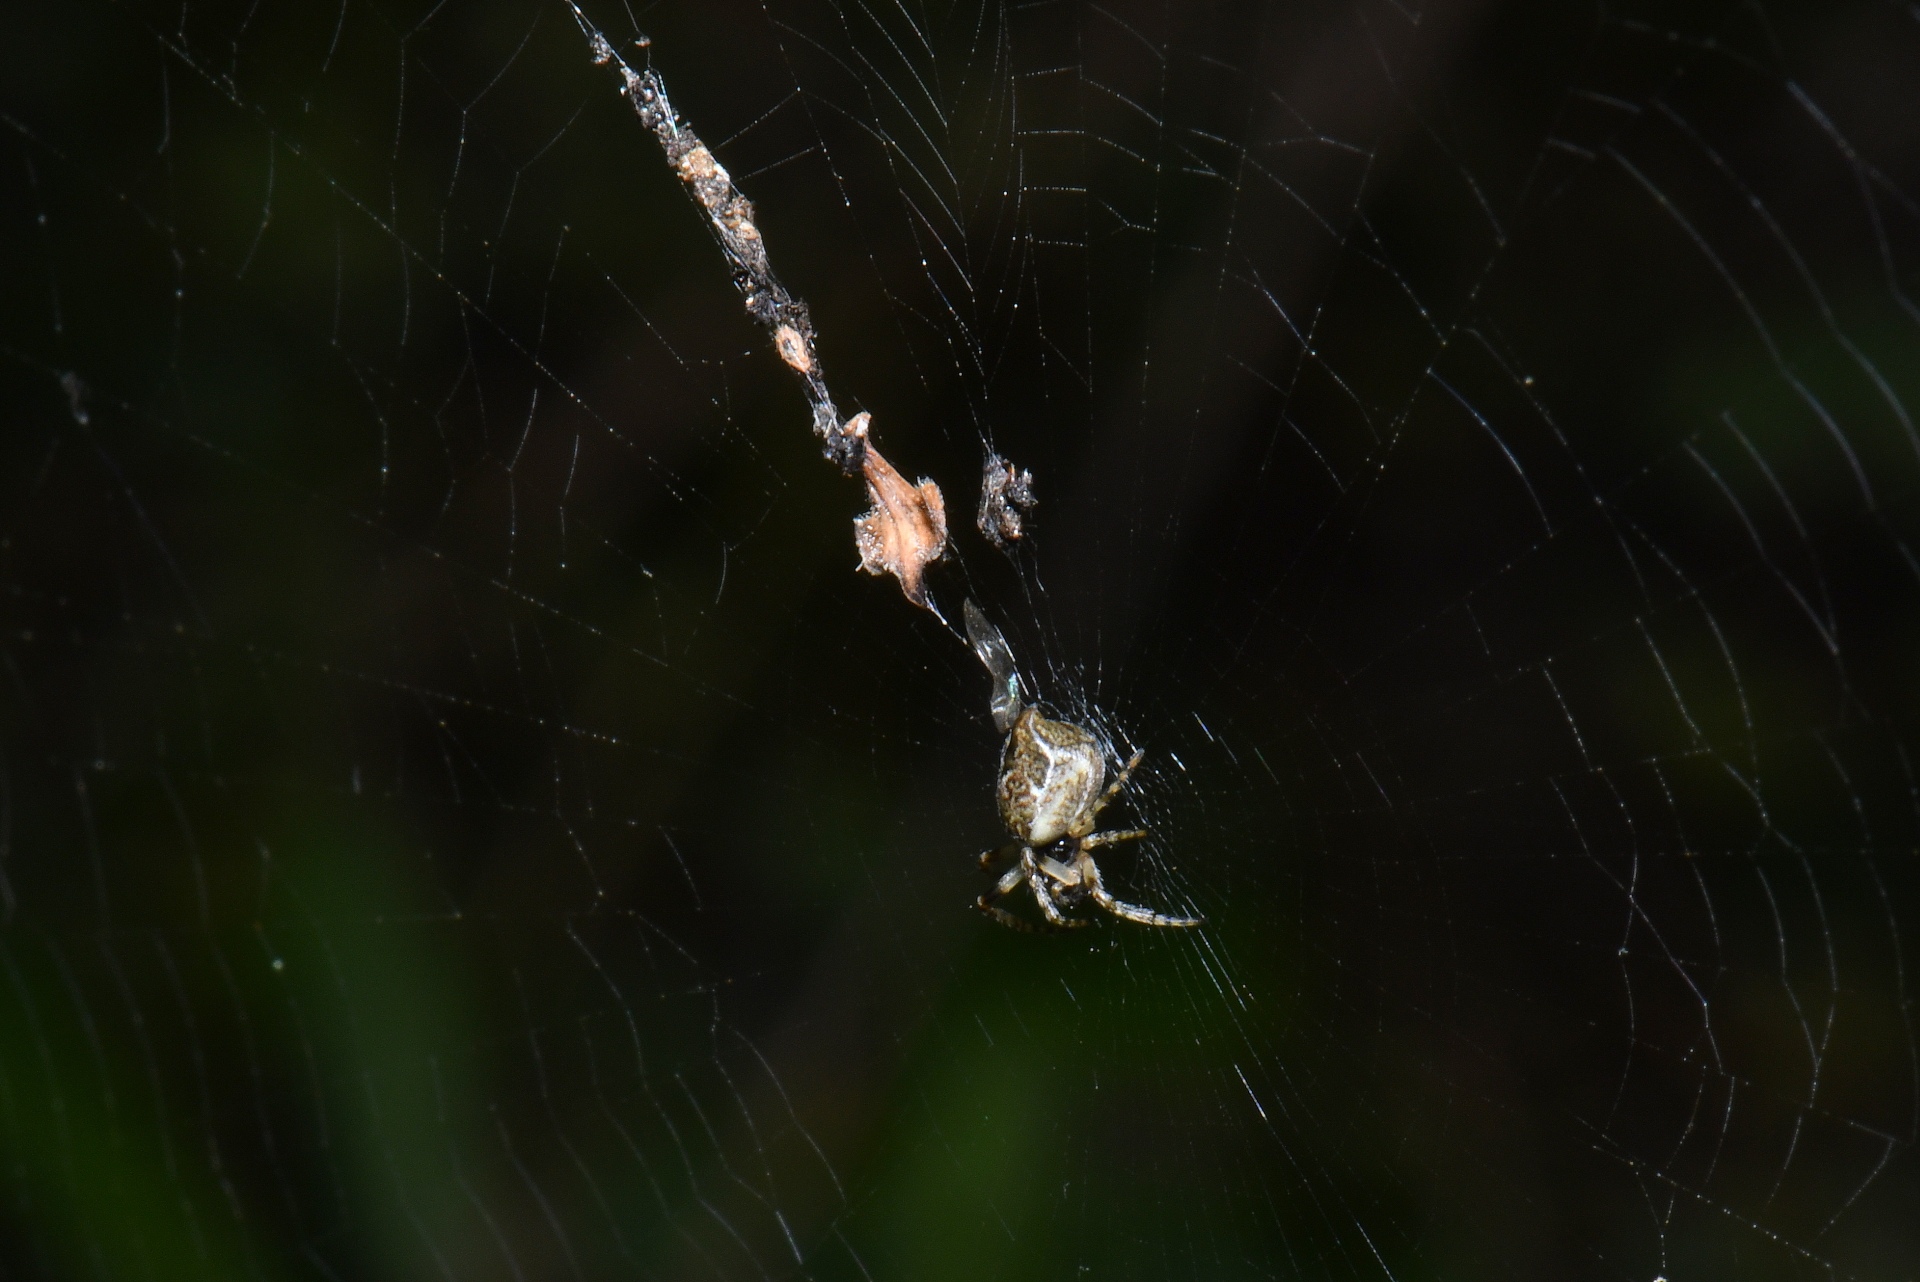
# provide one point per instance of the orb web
(463, 815)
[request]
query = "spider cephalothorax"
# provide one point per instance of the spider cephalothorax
(1051, 795)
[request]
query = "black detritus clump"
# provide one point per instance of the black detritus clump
(730, 218)
(1006, 495)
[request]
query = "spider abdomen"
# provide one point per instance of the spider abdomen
(1050, 776)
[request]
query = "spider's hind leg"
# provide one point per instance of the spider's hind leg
(1113, 789)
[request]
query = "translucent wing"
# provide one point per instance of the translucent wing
(992, 649)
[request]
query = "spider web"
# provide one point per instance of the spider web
(462, 815)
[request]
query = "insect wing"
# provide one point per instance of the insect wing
(992, 649)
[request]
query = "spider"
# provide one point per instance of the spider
(1050, 797)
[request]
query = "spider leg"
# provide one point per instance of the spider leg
(1109, 838)
(1008, 920)
(1037, 879)
(1065, 885)
(1090, 872)
(1004, 886)
(1048, 905)
(1113, 789)
(1027, 871)
(1064, 875)
(989, 858)
(1008, 883)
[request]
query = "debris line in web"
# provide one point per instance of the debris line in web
(906, 528)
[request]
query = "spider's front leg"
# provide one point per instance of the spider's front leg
(1026, 872)
(1043, 893)
(1005, 886)
(1090, 874)
(999, 854)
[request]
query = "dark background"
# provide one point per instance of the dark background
(462, 814)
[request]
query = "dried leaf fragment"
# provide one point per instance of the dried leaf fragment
(792, 346)
(907, 526)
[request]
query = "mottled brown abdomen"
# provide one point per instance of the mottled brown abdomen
(1050, 774)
